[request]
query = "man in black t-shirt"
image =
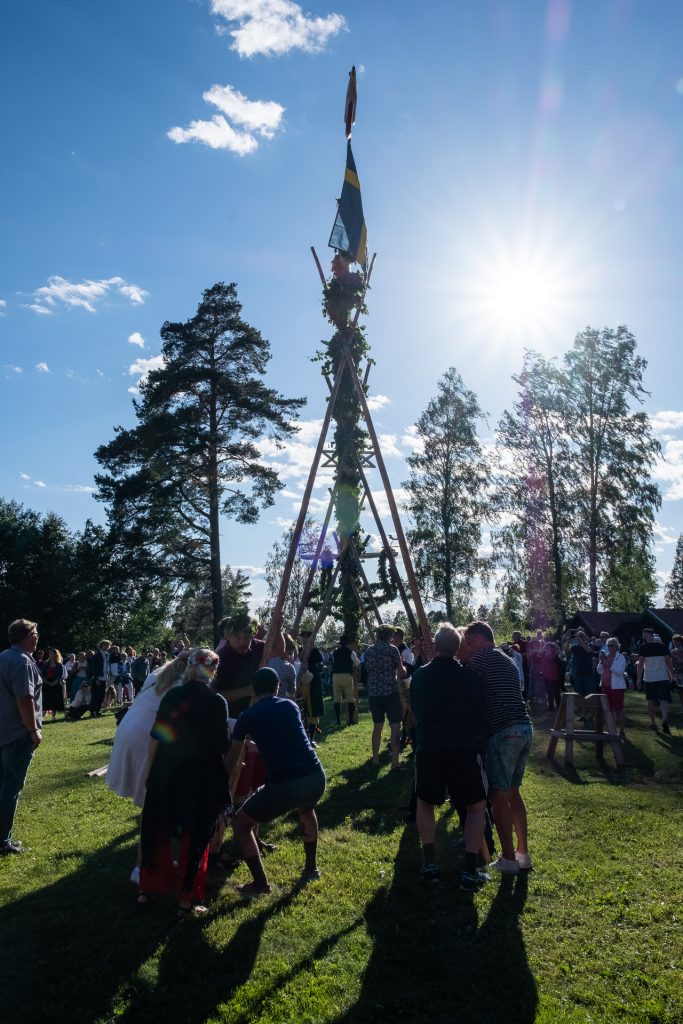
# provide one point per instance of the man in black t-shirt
(448, 703)
(655, 668)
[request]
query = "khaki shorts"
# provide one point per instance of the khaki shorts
(342, 688)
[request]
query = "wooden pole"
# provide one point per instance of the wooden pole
(398, 526)
(276, 617)
(371, 596)
(387, 547)
(361, 607)
(324, 608)
(320, 269)
(314, 564)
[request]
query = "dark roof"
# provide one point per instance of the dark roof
(669, 618)
(609, 622)
(665, 620)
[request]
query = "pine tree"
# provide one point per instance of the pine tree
(193, 456)
(447, 499)
(673, 595)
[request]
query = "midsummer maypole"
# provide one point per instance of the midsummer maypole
(343, 303)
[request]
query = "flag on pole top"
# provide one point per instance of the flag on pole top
(349, 235)
(350, 104)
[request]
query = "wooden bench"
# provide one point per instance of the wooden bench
(564, 728)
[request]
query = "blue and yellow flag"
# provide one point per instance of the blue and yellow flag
(349, 235)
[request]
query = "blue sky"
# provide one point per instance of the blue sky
(522, 174)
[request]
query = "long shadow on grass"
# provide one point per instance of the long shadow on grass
(181, 997)
(367, 797)
(68, 947)
(431, 959)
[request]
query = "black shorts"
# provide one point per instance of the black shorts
(390, 705)
(459, 773)
(273, 800)
(657, 691)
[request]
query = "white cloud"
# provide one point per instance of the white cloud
(86, 294)
(382, 503)
(24, 476)
(78, 488)
(256, 118)
(669, 468)
(293, 461)
(274, 27)
(3, 306)
(284, 524)
(136, 339)
(217, 134)
(664, 534)
(133, 390)
(141, 367)
(378, 402)
(250, 570)
(388, 446)
(411, 440)
(39, 483)
(666, 420)
(43, 368)
(13, 368)
(262, 116)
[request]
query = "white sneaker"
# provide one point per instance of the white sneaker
(135, 876)
(505, 866)
(524, 861)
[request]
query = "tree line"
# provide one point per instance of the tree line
(563, 486)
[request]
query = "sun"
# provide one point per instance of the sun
(521, 294)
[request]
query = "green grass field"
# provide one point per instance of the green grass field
(593, 934)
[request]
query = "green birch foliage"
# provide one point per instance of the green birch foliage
(533, 497)
(613, 452)
(447, 496)
(673, 595)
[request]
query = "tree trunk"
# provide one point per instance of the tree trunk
(214, 524)
(557, 557)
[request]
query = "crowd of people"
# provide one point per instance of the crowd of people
(212, 739)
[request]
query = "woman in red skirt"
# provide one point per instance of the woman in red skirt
(187, 786)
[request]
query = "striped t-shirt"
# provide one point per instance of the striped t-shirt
(503, 701)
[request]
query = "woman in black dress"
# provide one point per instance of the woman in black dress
(187, 786)
(53, 678)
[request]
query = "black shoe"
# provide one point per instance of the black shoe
(11, 846)
(666, 728)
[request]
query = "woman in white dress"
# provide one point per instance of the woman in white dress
(127, 771)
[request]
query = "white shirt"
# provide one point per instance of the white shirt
(618, 669)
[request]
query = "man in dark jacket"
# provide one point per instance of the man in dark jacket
(448, 704)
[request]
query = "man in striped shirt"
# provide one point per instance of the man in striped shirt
(508, 741)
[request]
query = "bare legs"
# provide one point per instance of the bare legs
(509, 812)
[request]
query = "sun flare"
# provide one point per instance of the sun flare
(521, 295)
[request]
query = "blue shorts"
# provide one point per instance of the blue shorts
(506, 755)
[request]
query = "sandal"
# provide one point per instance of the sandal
(194, 911)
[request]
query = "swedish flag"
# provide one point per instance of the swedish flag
(349, 235)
